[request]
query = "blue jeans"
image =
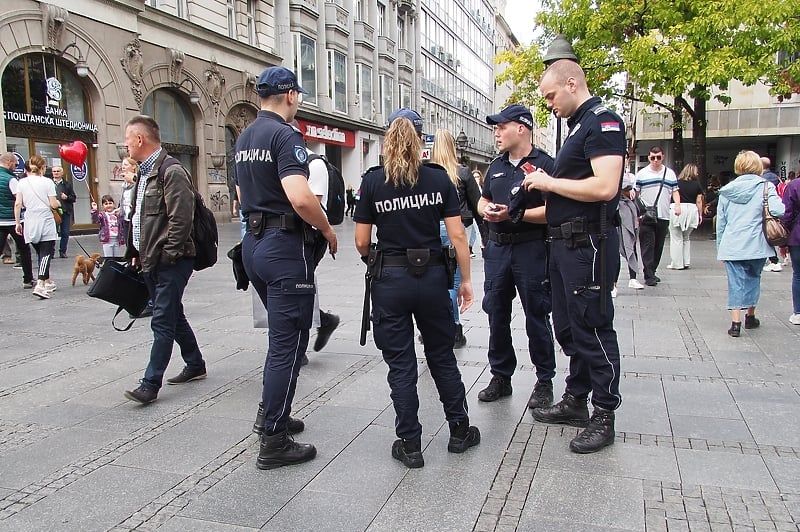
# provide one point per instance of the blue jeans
(166, 284)
(456, 277)
(794, 253)
(63, 231)
(744, 282)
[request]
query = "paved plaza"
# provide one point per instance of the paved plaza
(708, 437)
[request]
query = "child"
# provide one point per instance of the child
(110, 234)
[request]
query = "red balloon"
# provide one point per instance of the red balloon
(74, 152)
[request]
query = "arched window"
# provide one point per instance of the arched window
(176, 123)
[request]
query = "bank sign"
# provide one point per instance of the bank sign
(55, 115)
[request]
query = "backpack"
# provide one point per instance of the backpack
(337, 198)
(204, 228)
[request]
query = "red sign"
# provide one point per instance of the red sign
(327, 134)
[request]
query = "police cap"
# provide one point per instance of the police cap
(277, 80)
(410, 114)
(512, 113)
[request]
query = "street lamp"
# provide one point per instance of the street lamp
(560, 48)
(462, 142)
(194, 96)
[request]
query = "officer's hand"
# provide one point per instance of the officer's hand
(538, 180)
(464, 296)
(496, 212)
(333, 244)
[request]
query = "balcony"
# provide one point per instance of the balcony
(309, 6)
(405, 6)
(405, 59)
(386, 48)
(336, 22)
(364, 34)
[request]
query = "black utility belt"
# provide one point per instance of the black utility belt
(258, 221)
(403, 260)
(518, 238)
(416, 261)
(574, 228)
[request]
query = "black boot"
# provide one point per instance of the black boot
(598, 434)
(460, 340)
(409, 452)
(751, 322)
(327, 324)
(498, 387)
(280, 450)
(542, 395)
(293, 426)
(736, 329)
(463, 436)
(569, 411)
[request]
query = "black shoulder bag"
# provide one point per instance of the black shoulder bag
(650, 216)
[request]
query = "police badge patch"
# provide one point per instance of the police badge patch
(300, 154)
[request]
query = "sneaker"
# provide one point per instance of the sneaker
(656, 278)
(635, 284)
(671, 267)
(187, 374)
(62, 255)
(462, 437)
(498, 387)
(28, 284)
(328, 324)
(773, 267)
(41, 292)
(142, 394)
(786, 260)
(17, 266)
(794, 319)
(50, 286)
(542, 395)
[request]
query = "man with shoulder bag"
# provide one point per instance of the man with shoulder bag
(160, 242)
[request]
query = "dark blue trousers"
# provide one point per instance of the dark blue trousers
(166, 284)
(399, 298)
(585, 334)
(63, 231)
(518, 268)
(281, 269)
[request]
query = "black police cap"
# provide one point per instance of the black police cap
(277, 80)
(512, 113)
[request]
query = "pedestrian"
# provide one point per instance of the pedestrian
(657, 186)
(444, 154)
(515, 258)
(129, 171)
(277, 250)
(773, 264)
(7, 222)
(629, 246)
(686, 219)
(351, 202)
(741, 243)
(791, 220)
(582, 196)
(37, 195)
(160, 243)
(65, 194)
(405, 200)
(769, 174)
(110, 234)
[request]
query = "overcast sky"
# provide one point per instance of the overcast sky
(519, 15)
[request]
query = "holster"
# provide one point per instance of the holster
(575, 233)
(255, 223)
(418, 259)
(373, 270)
(450, 264)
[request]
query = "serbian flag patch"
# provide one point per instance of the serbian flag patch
(609, 126)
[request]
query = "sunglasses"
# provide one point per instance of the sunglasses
(655, 157)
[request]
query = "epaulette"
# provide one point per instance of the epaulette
(374, 168)
(600, 109)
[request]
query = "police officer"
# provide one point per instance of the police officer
(405, 200)
(515, 258)
(279, 209)
(582, 195)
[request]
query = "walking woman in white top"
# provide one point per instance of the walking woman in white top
(681, 225)
(37, 194)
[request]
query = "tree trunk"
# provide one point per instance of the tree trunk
(677, 136)
(699, 130)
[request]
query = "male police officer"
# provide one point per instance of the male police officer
(272, 174)
(583, 191)
(515, 257)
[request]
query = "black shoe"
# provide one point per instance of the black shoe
(569, 411)
(598, 434)
(498, 387)
(736, 329)
(142, 394)
(751, 322)
(62, 255)
(460, 340)
(650, 282)
(328, 323)
(409, 452)
(542, 395)
(188, 374)
(293, 426)
(463, 436)
(656, 278)
(280, 450)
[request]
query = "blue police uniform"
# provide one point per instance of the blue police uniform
(515, 258)
(408, 218)
(277, 257)
(584, 330)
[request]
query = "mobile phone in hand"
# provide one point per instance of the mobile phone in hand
(528, 168)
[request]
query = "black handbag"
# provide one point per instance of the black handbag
(122, 285)
(239, 273)
(650, 216)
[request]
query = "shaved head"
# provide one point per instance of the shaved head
(562, 70)
(563, 87)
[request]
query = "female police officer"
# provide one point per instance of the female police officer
(406, 200)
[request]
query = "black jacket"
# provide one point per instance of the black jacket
(68, 204)
(468, 196)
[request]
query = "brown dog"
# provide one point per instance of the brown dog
(85, 267)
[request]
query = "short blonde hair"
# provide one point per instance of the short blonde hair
(748, 162)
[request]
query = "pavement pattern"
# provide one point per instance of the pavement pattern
(708, 437)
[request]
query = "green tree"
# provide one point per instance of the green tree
(675, 54)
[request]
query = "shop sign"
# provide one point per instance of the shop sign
(52, 120)
(79, 172)
(425, 154)
(327, 135)
(19, 170)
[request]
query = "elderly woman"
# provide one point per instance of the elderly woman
(741, 244)
(681, 225)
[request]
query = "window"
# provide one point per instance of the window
(360, 10)
(252, 40)
(364, 91)
(381, 20)
(401, 33)
(386, 85)
(174, 117)
(152, 3)
(305, 64)
(182, 9)
(337, 80)
(232, 19)
(405, 96)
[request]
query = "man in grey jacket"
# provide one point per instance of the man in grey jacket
(160, 241)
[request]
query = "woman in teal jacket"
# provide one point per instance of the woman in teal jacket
(741, 244)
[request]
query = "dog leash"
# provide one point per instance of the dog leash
(88, 255)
